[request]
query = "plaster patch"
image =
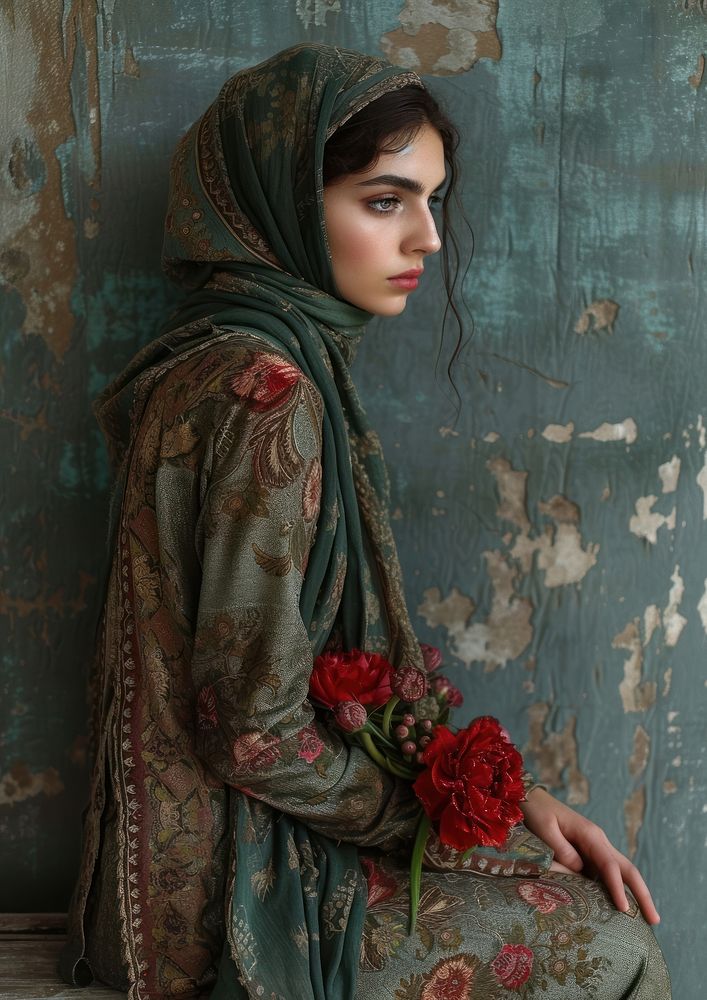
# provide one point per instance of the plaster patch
(701, 431)
(641, 751)
(626, 431)
(702, 609)
(673, 621)
(600, 315)
(504, 635)
(556, 753)
(645, 523)
(559, 433)
(492, 437)
(636, 695)
(634, 814)
(702, 483)
(315, 11)
(131, 67)
(443, 37)
(19, 783)
(669, 474)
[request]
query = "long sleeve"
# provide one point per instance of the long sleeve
(258, 503)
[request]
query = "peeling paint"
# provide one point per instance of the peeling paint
(600, 315)
(443, 37)
(702, 609)
(641, 751)
(505, 634)
(560, 553)
(645, 523)
(556, 753)
(19, 783)
(702, 483)
(512, 488)
(625, 430)
(559, 433)
(673, 621)
(634, 815)
(315, 11)
(651, 621)
(696, 78)
(40, 231)
(636, 695)
(669, 474)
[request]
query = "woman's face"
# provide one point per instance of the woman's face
(380, 227)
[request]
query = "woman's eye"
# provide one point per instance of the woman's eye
(384, 205)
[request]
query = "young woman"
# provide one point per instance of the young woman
(234, 845)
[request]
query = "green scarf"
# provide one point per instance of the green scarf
(245, 233)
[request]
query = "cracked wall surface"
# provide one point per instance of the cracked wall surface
(553, 532)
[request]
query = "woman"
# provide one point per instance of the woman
(224, 840)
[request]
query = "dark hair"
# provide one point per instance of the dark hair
(387, 125)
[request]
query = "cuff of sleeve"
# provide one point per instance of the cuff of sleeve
(530, 784)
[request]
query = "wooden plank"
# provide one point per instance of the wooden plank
(28, 964)
(31, 923)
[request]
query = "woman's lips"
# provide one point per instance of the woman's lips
(407, 280)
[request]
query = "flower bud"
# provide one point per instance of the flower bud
(408, 747)
(408, 719)
(419, 757)
(350, 716)
(425, 725)
(444, 689)
(402, 732)
(424, 741)
(431, 657)
(409, 683)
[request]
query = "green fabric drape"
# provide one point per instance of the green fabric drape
(245, 233)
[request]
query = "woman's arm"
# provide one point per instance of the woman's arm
(581, 846)
(252, 656)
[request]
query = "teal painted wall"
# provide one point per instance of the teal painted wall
(553, 538)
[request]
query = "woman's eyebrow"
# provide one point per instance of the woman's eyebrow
(397, 181)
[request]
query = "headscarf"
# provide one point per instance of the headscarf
(245, 232)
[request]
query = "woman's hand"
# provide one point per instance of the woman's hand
(581, 846)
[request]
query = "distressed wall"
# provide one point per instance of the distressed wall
(553, 536)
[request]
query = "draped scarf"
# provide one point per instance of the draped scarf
(245, 234)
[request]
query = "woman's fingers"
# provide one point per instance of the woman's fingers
(617, 872)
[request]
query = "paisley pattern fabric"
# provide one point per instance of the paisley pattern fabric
(250, 531)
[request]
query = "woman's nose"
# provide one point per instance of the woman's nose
(424, 237)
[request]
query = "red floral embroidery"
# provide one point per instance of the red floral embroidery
(312, 490)
(206, 714)
(310, 745)
(513, 965)
(449, 979)
(267, 381)
(255, 751)
(545, 898)
(381, 885)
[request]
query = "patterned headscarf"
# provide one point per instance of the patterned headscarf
(245, 232)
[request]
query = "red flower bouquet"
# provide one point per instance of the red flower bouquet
(469, 782)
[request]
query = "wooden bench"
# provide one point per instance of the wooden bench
(29, 949)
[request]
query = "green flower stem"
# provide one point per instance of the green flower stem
(399, 770)
(372, 750)
(387, 715)
(418, 851)
(373, 729)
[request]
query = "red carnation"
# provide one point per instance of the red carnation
(409, 684)
(354, 676)
(513, 965)
(472, 784)
(431, 657)
(350, 716)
